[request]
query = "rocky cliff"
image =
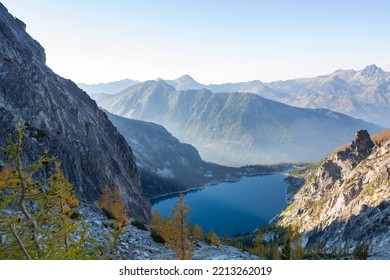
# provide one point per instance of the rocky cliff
(62, 117)
(346, 198)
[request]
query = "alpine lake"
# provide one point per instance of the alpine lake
(232, 208)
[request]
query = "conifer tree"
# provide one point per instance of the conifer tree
(361, 251)
(178, 237)
(297, 249)
(198, 232)
(275, 253)
(111, 204)
(258, 245)
(286, 247)
(213, 238)
(292, 247)
(155, 222)
(37, 224)
(166, 229)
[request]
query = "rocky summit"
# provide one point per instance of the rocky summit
(61, 117)
(345, 199)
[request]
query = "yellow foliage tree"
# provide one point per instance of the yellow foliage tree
(258, 245)
(198, 232)
(155, 222)
(41, 231)
(178, 236)
(111, 204)
(213, 238)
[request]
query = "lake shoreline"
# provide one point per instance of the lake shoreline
(235, 206)
(226, 180)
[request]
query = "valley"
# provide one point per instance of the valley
(83, 167)
(236, 129)
(169, 166)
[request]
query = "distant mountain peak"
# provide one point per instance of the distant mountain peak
(371, 70)
(186, 78)
(185, 82)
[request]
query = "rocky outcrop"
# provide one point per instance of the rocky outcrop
(346, 199)
(61, 117)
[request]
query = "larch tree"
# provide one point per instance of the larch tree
(258, 245)
(178, 239)
(198, 232)
(34, 213)
(213, 238)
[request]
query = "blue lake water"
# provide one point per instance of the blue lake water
(232, 207)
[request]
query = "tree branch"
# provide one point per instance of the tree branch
(19, 242)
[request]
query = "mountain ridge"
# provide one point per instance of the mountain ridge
(235, 128)
(363, 94)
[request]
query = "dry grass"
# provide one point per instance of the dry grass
(381, 137)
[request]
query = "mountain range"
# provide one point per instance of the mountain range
(63, 118)
(108, 88)
(363, 94)
(236, 128)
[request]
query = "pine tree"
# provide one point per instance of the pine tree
(361, 251)
(287, 245)
(292, 247)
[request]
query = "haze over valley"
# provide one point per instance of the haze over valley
(236, 128)
(176, 169)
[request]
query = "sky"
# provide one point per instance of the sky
(214, 41)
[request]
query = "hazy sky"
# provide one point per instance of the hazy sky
(214, 41)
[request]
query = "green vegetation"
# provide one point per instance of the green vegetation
(361, 251)
(285, 243)
(38, 217)
(139, 225)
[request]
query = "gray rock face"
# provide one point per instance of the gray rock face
(346, 199)
(236, 128)
(359, 149)
(63, 118)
